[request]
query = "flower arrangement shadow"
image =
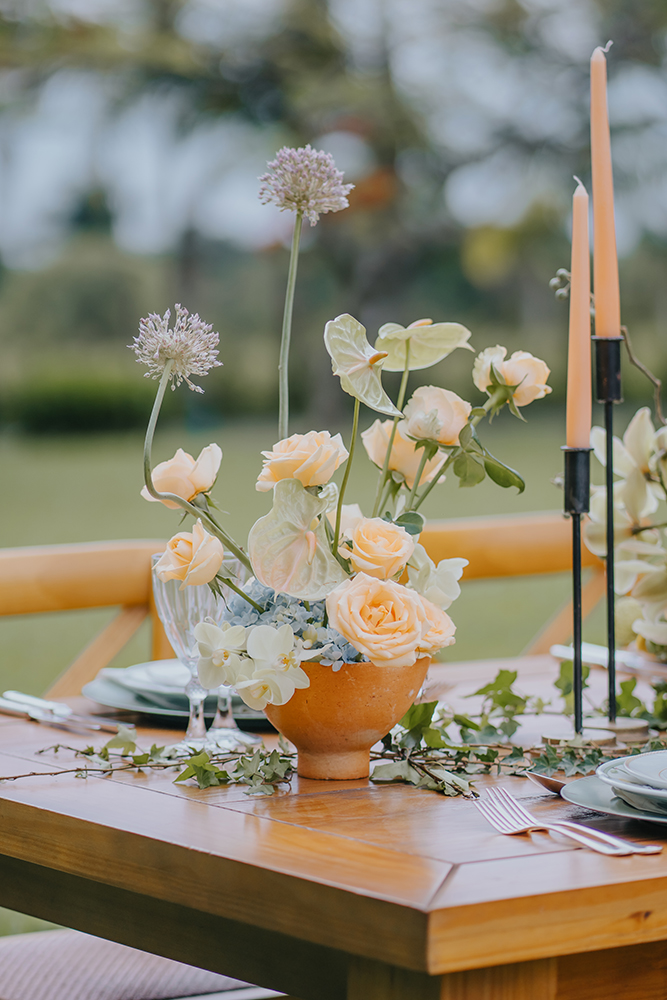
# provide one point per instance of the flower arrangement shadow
(334, 629)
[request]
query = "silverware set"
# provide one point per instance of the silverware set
(508, 816)
(53, 713)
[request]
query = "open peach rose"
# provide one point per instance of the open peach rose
(441, 632)
(404, 458)
(311, 458)
(380, 548)
(436, 413)
(191, 556)
(528, 373)
(383, 620)
(184, 476)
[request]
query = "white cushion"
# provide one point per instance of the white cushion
(68, 965)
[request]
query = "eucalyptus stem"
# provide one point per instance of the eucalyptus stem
(343, 487)
(197, 512)
(283, 363)
(399, 406)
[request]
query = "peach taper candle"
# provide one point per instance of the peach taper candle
(578, 421)
(605, 262)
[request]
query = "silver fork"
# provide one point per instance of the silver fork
(507, 816)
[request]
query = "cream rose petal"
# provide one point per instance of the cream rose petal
(288, 551)
(429, 343)
(357, 363)
(206, 468)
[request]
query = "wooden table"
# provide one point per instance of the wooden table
(334, 889)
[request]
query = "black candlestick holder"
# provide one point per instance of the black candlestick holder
(577, 496)
(608, 392)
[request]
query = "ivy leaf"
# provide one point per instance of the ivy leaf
(627, 702)
(468, 469)
(206, 774)
(565, 683)
(396, 770)
(547, 763)
(125, 740)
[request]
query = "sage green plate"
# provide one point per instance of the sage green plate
(592, 793)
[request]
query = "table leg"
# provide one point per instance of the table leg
(368, 980)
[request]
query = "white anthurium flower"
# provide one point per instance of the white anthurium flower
(329, 494)
(438, 584)
(595, 529)
(288, 547)
(632, 458)
(220, 649)
(357, 364)
(655, 632)
(429, 343)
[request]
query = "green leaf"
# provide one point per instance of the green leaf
(565, 683)
(468, 469)
(397, 770)
(125, 740)
(502, 475)
(206, 774)
(418, 715)
(477, 411)
(465, 435)
(626, 702)
(412, 521)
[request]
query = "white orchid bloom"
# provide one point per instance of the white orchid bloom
(357, 364)
(429, 343)
(276, 672)
(288, 547)
(220, 649)
(438, 584)
(655, 632)
(595, 529)
(632, 459)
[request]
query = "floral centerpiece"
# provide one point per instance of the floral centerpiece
(333, 632)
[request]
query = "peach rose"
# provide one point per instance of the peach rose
(380, 549)
(191, 556)
(311, 458)
(383, 620)
(441, 632)
(184, 476)
(404, 458)
(528, 373)
(435, 413)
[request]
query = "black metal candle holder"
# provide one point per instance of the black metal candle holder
(577, 496)
(608, 391)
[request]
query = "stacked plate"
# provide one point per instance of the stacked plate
(639, 780)
(158, 688)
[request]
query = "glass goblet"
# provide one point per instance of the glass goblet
(180, 611)
(224, 730)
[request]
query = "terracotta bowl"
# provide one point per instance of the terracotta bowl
(334, 723)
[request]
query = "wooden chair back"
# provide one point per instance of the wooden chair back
(86, 575)
(518, 545)
(118, 574)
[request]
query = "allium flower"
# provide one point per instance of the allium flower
(191, 345)
(304, 180)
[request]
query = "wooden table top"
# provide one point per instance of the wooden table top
(391, 873)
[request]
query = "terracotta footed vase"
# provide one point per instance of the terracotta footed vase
(334, 722)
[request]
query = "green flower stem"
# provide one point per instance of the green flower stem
(283, 363)
(343, 487)
(197, 512)
(399, 406)
(427, 453)
(237, 590)
(385, 497)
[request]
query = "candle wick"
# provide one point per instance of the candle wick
(579, 182)
(607, 46)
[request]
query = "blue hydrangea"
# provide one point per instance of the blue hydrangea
(306, 622)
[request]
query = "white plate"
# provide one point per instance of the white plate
(651, 768)
(594, 794)
(613, 773)
(154, 677)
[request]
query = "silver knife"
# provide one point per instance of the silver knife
(53, 711)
